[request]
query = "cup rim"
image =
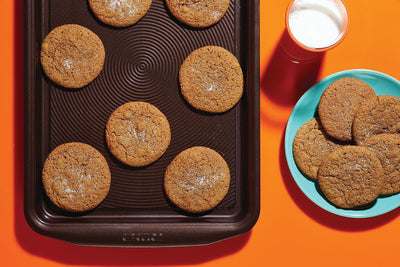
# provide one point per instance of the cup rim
(341, 36)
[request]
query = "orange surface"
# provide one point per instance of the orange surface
(291, 230)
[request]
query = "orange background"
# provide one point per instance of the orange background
(291, 230)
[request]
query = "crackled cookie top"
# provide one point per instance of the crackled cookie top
(198, 13)
(376, 116)
(211, 79)
(351, 176)
(137, 133)
(339, 104)
(72, 56)
(311, 145)
(387, 148)
(76, 177)
(197, 179)
(120, 13)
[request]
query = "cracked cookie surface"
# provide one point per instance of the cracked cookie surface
(197, 179)
(310, 146)
(211, 79)
(137, 134)
(351, 176)
(76, 177)
(376, 116)
(339, 104)
(387, 148)
(72, 56)
(198, 13)
(120, 13)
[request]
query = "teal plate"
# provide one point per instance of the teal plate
(305, 109)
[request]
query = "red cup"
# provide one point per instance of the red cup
(328, 8)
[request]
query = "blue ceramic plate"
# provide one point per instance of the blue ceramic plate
(305, 109)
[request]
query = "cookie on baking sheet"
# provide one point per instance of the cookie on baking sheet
(351, 176)
(387, 148)
(310, 146)
(76, 177)
(339, 103)
(198, 13)
(197, 179)
(378, 115)
(72, 56)
(120, 13)
(211, 79)
(137, 133)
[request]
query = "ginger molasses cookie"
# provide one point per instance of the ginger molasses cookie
(378, 115)
(310, 146)
(339, 103)
(197, 179)
(76, 177)
(137, 133)
(351, 176)
(198, 13)
(120, 13)
(211, 79)
(387, 148)
(72, 56)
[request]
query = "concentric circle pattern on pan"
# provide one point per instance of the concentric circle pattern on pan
(142, 64)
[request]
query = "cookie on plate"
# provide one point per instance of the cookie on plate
(197, 179)
(351, 176)
(310, 146)
(339, 103)
(76, 177)
(72, 56)
(211, 79)
(197, 13)
(378, 115)
(137, 133)
(387, 148)
(120, 13)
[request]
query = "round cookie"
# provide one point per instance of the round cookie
(310, 146)
(211, 79)
(378, 115)
(72, 56)
(197, 179)
(339, 103)
(120, 13)
(76, 177)
(197, 13)
(137, 133)
(351, 176)
(387, 148)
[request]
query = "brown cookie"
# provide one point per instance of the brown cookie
(211, 79)
(72, 56)
(198, 13)
(137, 133)
(378, 115)
(387, 148)
(76, 177)
(339, 103)
(310, 146)
(120, 13)
(197, 179)
(351, 176)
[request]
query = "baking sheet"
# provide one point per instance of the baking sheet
(142, 64)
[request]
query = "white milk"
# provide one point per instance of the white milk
(315, 23)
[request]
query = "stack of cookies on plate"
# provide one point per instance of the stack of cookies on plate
(352, 147)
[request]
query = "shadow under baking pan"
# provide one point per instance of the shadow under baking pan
(322, 216)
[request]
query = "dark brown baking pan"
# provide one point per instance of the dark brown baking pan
(142, 63)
